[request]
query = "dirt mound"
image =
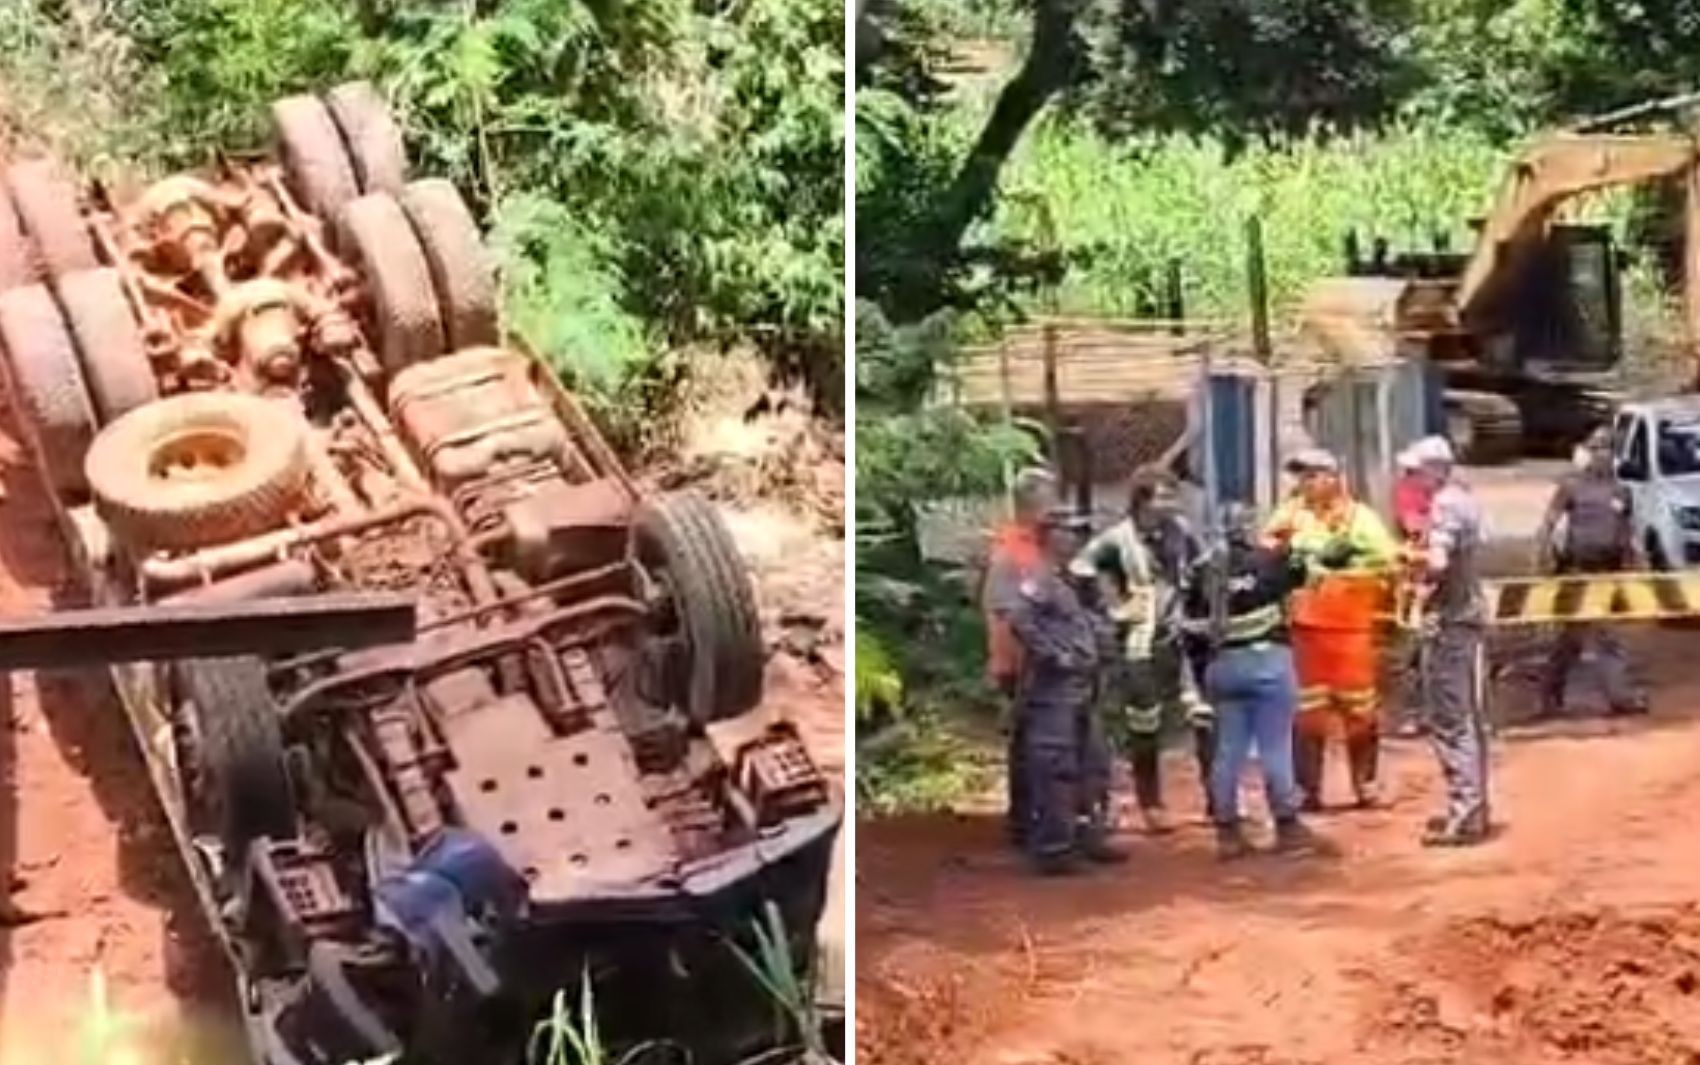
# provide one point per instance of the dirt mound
(1604, 987)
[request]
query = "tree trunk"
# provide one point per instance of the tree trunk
(1051, 63)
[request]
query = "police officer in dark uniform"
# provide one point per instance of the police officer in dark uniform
(1067, 762)
(1599, 537)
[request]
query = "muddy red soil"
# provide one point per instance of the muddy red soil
(93, 891)
(1572, 937)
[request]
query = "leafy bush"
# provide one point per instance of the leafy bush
(684, 161)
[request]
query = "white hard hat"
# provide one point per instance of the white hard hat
(1432, 451)
(1313, 460)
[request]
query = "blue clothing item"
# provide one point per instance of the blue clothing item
(1255, 693)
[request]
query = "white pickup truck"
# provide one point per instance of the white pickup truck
(1656, 452)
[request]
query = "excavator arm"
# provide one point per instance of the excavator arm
(1554, 170)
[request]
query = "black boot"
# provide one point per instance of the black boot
(1057, 863)
(1204, 750)
(1293, 836)
(1363, 755)
(1103, 852)
(1308, 763)
(1231, 843)
(1145, 752)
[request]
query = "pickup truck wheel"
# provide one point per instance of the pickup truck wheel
(243, 779)
(373, 139)
(376, 233)
(48, 384)
(115, 360)
(315, 160)
(707, 601)
(461, 271)
(46, 202)
(17, 253)
(198, 469)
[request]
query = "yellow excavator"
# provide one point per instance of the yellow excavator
(1525, 331)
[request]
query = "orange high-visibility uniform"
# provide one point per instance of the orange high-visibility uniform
(1334, 618)
(1016, 551)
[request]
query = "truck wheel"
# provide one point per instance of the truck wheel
(198, 469)
(707, 602)
(315, 161)
(17, 255)
(372, 136)
(115, 360)
(48, 384)
(46, 202)
(375, 232)
(461, 271)
(243, 778)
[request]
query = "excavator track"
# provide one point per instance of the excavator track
(1484, 428)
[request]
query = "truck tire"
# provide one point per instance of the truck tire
(376, 234)
(708, 600)
(48, 384)
(198, 469)
(461, 271)
(244, 779)
(315, 161)
(17, 254)
(371, 134)
(46, 202)
(114, 358)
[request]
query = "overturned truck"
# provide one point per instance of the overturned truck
(285, 377)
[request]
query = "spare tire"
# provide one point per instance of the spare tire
(315, 161)
(199, 469)
(461, 271)
(46, 202)
(243, 780)
(708, 600)
(372, 136)
(48, 385)
(375, 233)
(115, 359)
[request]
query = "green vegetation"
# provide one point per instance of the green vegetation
(663, 174)
(1018, 156)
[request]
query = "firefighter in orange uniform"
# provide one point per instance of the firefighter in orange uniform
(1334, 618)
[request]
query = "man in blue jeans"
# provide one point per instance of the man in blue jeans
(1240, 603)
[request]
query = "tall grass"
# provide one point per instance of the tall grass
(1126, 208)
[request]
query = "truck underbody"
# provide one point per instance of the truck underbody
(286, 379)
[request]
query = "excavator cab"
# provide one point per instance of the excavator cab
(1566, 311)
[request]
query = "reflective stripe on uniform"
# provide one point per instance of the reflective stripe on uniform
(1314, 698)
(1145, 720)
(1358, 702)
(1200, 714)
(1253, 625)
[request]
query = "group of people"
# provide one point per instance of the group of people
(1264, 641)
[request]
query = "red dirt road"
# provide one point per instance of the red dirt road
(91, 880)
(1573, 937)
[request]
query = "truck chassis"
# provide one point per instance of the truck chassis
(286, 377)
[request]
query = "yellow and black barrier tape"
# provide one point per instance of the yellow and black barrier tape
(1583, 598)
